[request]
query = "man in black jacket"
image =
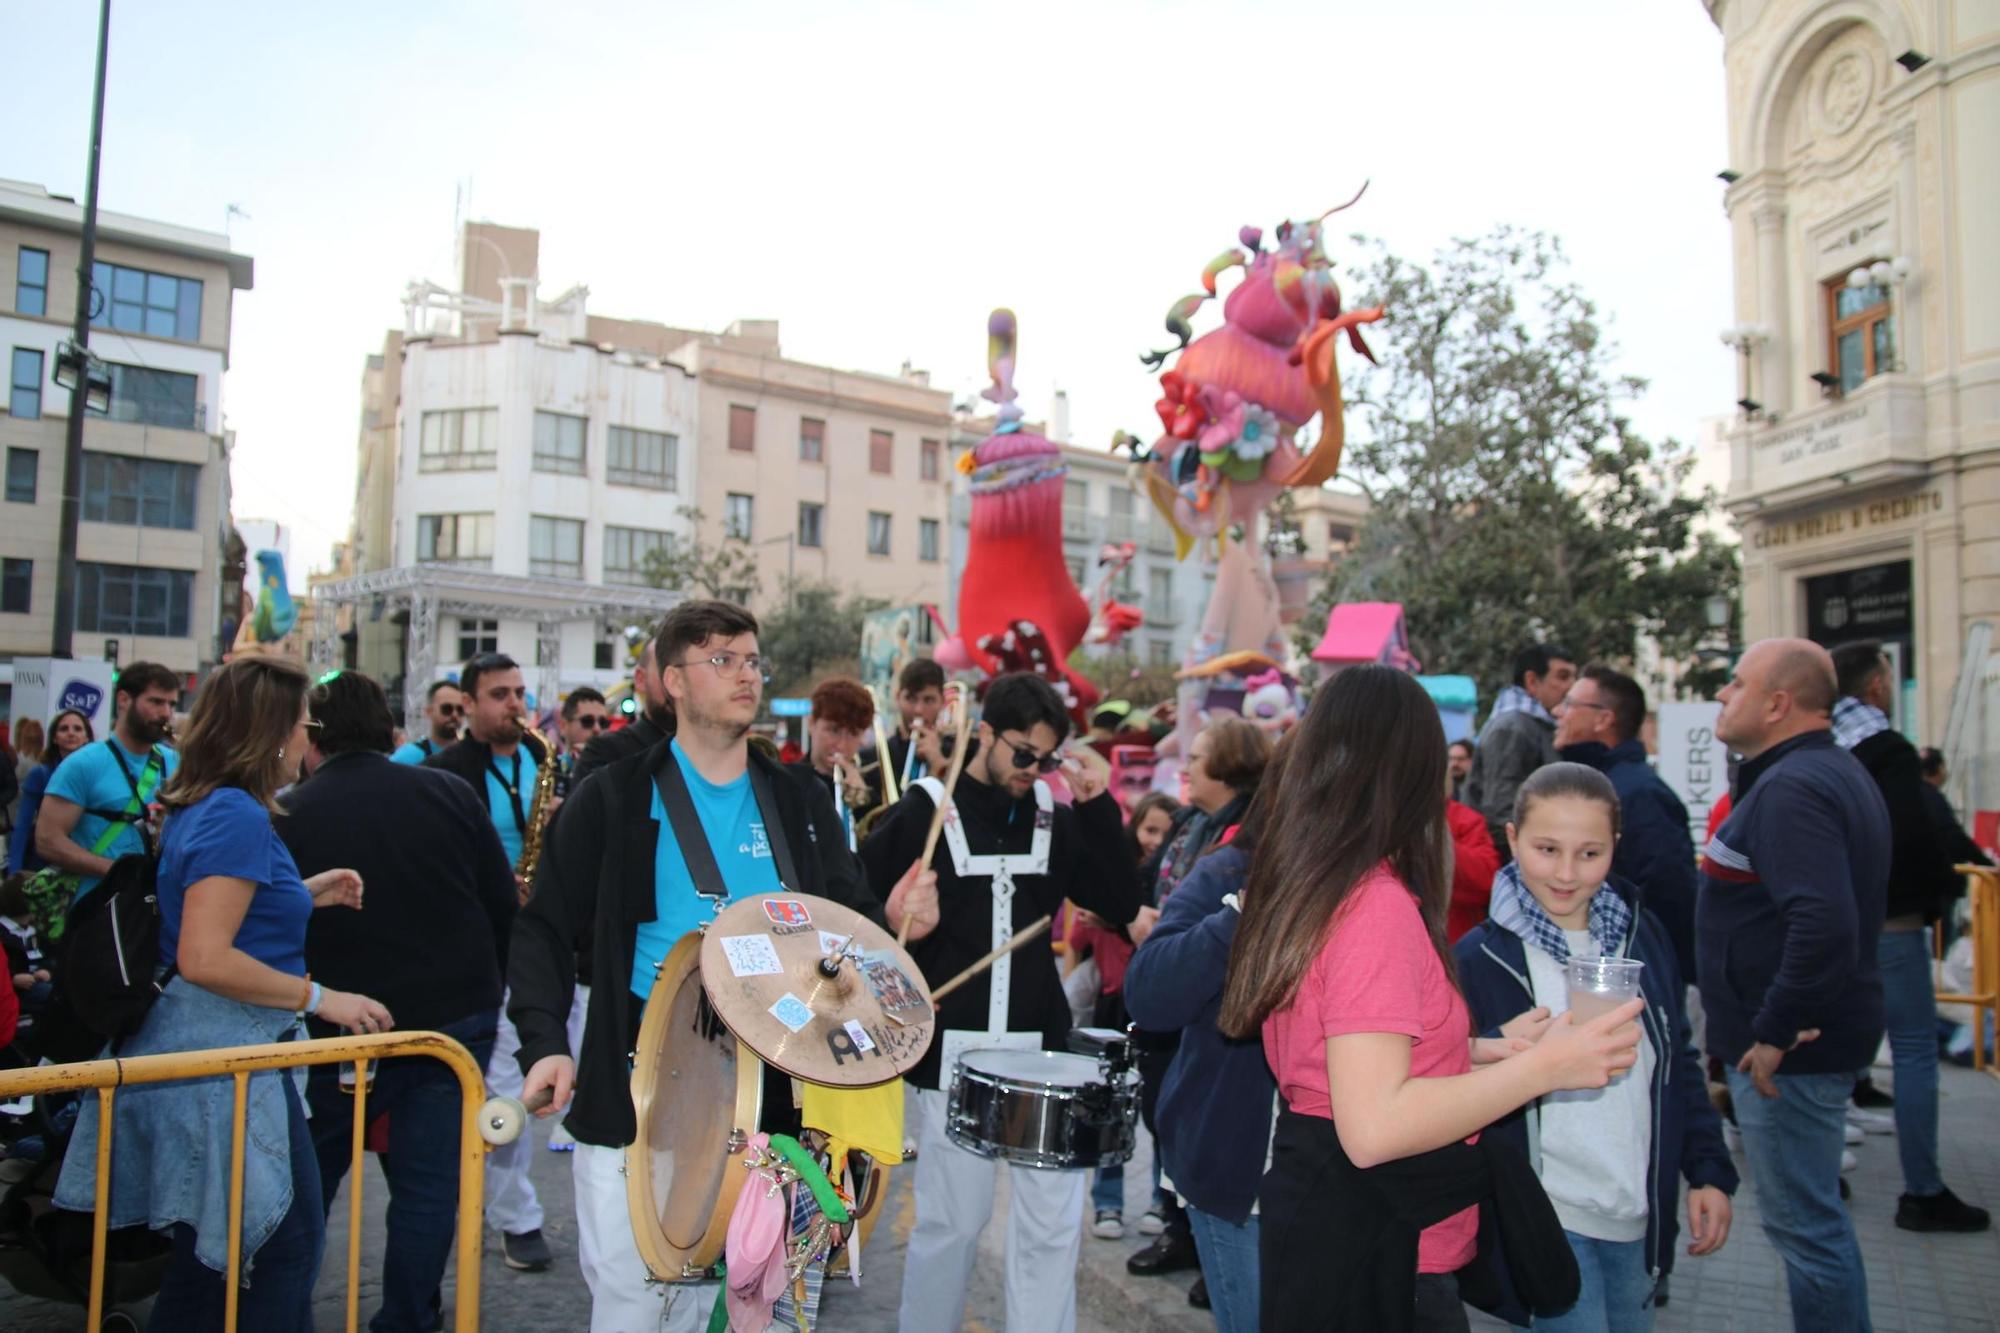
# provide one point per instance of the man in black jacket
(502, 758)
(654, 723)
(1009, 856)
(432, 944)
(615, 878)
(1921, 884)
(1958, 844)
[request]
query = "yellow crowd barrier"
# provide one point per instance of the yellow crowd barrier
(1982, 891)
(239, 1063)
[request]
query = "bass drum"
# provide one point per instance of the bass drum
(698, 1095)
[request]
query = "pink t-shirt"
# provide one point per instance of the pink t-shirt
(1377, 972)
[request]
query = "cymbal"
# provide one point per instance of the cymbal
(775, 972)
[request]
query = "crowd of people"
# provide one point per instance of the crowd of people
(1345, 960)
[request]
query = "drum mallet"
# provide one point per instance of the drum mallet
(959, 729)
(1021, 937)
(501, 1119)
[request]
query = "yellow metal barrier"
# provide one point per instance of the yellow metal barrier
(1983, 895)
(240, 1062)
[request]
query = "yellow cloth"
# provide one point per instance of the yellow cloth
(868, 1120)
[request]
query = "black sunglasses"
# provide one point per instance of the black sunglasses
(1025, 757)
(450, 710)
(591, 722)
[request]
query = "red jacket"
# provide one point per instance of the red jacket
(1475, 861)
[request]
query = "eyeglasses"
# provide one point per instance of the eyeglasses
(1024, 756)
(1585, 703)
(449, 710)
(313, 726)
(591, 722)
(730, 665)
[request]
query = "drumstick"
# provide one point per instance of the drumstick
(1020, 938)
(958, 711)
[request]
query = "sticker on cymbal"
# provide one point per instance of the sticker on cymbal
(792, 1012)
(829, 943)
(892, 988)
(788, 916)
(752, 956)
(859, 1036)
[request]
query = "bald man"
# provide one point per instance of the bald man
(1791, 904)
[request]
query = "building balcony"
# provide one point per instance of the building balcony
(1162, 612)
(1080, 526)
(1123, 528)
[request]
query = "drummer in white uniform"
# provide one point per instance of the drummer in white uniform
(616, 875)
(1009, 856)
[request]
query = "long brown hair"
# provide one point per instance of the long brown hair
(1362, 781)
(237, 731)
(52, 756)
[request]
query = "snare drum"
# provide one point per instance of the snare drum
(1042, 1108)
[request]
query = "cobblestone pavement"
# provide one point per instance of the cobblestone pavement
(1917, 1283)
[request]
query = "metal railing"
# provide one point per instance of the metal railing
(1983, 894)
(240, 1062)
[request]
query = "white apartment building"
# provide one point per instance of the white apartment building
(155, 483)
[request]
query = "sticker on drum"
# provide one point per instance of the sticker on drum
(792, 1012)
(788, 916)
(902, 1003)
(751, 956)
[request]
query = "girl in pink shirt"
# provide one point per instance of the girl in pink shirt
(1341, 963)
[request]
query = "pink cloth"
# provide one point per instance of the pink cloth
(1377, 972)
(755, 1252)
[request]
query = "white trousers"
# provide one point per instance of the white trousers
(511, 1205)
(624, 1298)
(954, 1196)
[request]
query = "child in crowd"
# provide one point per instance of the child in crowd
(27, 968)
(1609, 1158)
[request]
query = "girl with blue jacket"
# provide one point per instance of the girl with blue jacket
(1611, 1159)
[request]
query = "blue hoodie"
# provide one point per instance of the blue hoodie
(1215, 1106)
(1655, 847)
(1687, 1131)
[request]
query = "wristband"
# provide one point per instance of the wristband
(314, 994)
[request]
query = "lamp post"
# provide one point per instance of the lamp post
(89, 382)
(1746, 339)
(1893, 274)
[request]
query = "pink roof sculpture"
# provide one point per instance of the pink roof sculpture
(1364, 632)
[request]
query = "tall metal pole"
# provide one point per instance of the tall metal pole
(60, 644)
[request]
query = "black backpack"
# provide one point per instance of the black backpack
(110, 950)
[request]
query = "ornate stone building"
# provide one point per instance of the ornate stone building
(1864, 174)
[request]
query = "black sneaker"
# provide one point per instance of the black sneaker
(1198, 1294)
(1660, 1293)
(1871, 1098)
(1943, 1211)
(527, 1251)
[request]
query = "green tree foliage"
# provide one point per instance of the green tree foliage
(814, 631)
(1512, 501)
(701, 568)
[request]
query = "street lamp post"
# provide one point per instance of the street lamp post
(61, 641)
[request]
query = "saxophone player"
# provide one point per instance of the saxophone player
(504, 760)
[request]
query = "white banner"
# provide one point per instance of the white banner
(44, 686)
(1692, 761)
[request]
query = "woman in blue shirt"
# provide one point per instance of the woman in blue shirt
(233, 913)
(69, 731)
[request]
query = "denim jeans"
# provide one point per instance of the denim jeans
(1229, 1265)
(1909, 1004)
(1617, 1293)
(421, 1098)
(1107, 1187)
(1794, 1144)
(278, 1293)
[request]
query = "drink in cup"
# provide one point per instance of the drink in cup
(1599, 985)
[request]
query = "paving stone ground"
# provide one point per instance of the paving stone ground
(1917, 1283)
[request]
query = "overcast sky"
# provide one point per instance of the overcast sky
(876, 176)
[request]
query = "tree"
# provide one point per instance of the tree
(1512, 501)
(726, 569)
(815, 631)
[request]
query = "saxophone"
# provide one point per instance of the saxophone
(547, 774)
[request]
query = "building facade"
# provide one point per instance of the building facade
(1865, 461)
(155, 484)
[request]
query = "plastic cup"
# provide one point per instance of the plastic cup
(1599, 985)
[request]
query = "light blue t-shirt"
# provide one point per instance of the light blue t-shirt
(501, 805)
(411, 752)
(93, 779)
(735, 828)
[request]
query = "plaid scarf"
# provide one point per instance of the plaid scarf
(1854, 722)
(1514, 699)
(1515, 909)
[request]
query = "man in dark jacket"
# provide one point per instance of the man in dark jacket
(432, 946)
(616, 876)
(1791, 906)
(502, 758)
(1958, 844)
(654, 723)
(1598, 724)
(1519, 736)
(1921, 885)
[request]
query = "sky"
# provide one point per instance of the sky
(877, 176)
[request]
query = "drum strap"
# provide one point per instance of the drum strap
(693, 839)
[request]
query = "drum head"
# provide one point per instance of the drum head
(867, 1024)
(690, 1092)
(1049, 1067)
